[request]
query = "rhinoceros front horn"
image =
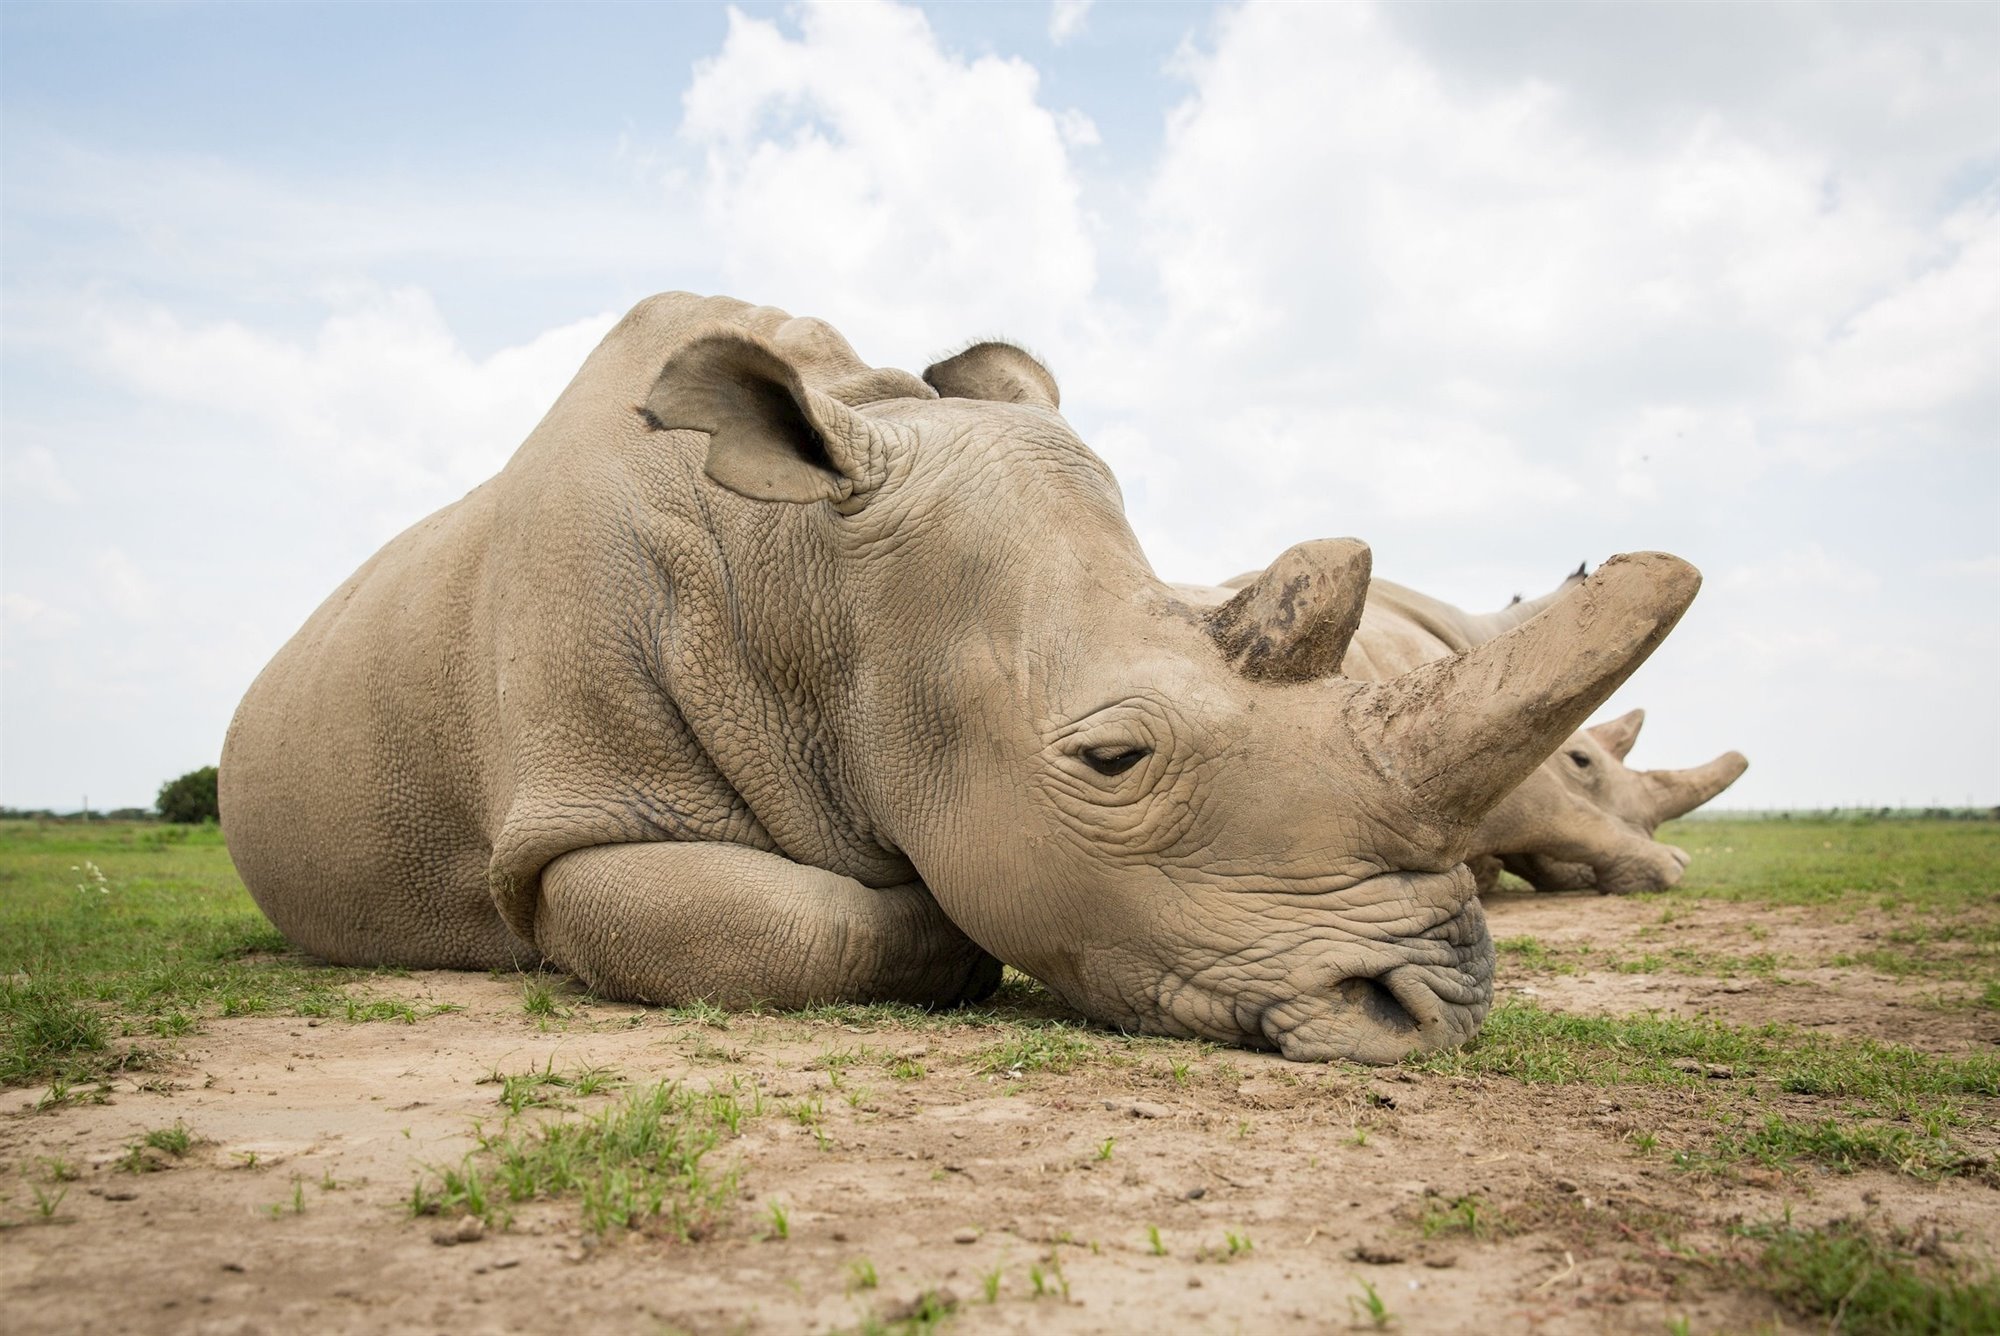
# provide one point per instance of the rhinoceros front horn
(1293, 622)
(1460, 733)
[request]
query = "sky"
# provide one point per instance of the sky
(1497, 289)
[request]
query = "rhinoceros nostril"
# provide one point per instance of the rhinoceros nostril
(1372, 998)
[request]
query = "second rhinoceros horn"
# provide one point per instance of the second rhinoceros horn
(1458, 734)
(1293, 622)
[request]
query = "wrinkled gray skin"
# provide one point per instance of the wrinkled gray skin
(761, 675)
(1582, 820)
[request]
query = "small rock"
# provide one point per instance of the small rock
(966, 1235)
(1196, 1194)
(1142, 1109)
(471, 1229)
(506, 1264)
(1565, 1185)
(1194, 1282)
(237, 1267)
(1375, 1254)
(445, 1238)
(839, 1236)
(121, 1194)
(1441, 1261)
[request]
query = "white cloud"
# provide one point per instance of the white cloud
(381, 400)
(1067, 18)
(124, 588)
(36, 470)
(863, 172)
(29, 616)
(1927, 345)
(1806, 567)
(1491, 300)
(1967, 568)
(1334, 217)
(1682, 445)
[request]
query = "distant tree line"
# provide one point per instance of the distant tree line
(191, 798)
(1846, 814)
(188, 800)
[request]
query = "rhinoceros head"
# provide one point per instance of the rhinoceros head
(1176, 817)
(1586, 819)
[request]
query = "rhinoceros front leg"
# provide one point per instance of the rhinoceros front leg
(676, 923)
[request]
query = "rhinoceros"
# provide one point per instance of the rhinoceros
(761, 675)
(1585, 820)
(1582, 819)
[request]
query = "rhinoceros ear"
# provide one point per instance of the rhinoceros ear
(1293, 622)
(997, 371)
(771, 437)
(1618, 735)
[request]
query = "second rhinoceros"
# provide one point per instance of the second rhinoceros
(1585, 819)
(1582, 819)
(762, 675)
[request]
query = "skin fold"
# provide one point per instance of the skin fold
(762, 675)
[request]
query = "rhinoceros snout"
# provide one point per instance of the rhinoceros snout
(1383, 1018)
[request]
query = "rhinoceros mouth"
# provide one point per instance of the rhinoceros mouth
(1385, 1017)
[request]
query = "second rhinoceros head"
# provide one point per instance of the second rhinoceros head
(1173, 816)
(1585, 820)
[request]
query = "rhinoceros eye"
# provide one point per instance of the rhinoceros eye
(1580, 758)
(1115, 760)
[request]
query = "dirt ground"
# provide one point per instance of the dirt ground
(291, 1211)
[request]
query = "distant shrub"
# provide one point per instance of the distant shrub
(191, 798)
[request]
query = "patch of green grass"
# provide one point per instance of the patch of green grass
(1881, 1085)
(176, 1141)
(544, 1087)
(1466, 1216)
(1778, 1142)
(699, 1012)
(160, 937)
(1861, 1282)
(1532, 953)
(47, 1033)
(1368, 1306)
(638, 1165)
(1523, 1041)
(538, 998)
(1947, 867)
(1055, 1049)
